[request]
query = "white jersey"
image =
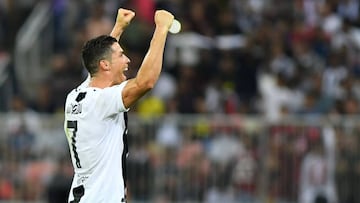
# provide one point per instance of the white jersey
(96, 127)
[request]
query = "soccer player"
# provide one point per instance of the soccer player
(96, 112)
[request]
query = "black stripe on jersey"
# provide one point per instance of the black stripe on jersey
(126, 148)
(73, 125)
(78, 192)
(80, 96)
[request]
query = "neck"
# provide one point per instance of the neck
(100, 82)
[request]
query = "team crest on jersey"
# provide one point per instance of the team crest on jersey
(74, 109)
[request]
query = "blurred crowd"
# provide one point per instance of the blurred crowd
(196, 159)
(269, 58)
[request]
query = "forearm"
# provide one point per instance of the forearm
(117, 31)
(150, 69)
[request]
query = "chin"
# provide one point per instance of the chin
(124, 78)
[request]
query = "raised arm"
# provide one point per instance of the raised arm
(123, 19)
(150, 68)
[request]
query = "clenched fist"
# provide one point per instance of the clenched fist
(124, 17)
(163, 18)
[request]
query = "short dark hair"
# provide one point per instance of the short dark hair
(96, 49)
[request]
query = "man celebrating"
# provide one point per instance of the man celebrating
(96, 112)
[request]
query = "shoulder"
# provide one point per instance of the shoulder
(82, 93)
(115, 89)
(71, 94)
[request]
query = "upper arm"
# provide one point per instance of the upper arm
(132, 92)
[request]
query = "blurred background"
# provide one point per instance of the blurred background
(258, 101)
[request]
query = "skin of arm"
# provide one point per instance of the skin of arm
(150, 68)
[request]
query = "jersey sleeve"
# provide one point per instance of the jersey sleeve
(110, 100)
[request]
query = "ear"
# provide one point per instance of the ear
(105, 65)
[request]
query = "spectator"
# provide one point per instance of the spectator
(317, 169)
(58, 186)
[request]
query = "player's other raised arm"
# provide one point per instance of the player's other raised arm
(150, 68)
(124, 16)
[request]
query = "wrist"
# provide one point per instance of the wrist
(120, 26)
(162, 28)
(116, 32)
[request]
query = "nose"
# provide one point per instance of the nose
(127, 59)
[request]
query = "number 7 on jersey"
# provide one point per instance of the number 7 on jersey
(72, 128)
